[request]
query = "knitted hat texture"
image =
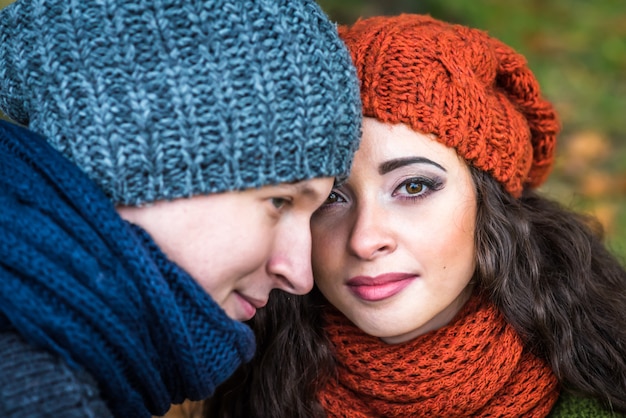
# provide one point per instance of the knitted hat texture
(172, 98)
(476, 94)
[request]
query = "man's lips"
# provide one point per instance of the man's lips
(257, 303)
(380, 287)
(249, 305)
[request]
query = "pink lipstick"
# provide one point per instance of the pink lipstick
(381, 287)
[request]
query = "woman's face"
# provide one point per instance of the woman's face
(393, 247)
(239, 245)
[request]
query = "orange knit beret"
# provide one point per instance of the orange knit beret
(476, 94)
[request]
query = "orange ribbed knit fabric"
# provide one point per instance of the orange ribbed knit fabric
(476, 366)
(473, 92)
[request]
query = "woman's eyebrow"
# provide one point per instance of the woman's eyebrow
(391, 165)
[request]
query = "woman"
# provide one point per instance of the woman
(174, 155)
(445, 284)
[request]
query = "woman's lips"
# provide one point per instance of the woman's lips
(381, 287)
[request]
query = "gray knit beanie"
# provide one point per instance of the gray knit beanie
(172, 98)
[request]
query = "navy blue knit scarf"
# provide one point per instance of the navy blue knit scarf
(78, 280)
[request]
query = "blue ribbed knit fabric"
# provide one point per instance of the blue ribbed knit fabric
(157, 100)
(79, 281)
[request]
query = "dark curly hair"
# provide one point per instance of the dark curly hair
(544, 266)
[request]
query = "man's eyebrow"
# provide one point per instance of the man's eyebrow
(394, 164)
(304, 189)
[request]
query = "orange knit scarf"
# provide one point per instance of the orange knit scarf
(476, 366)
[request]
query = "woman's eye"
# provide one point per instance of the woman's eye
(418, 187)
(414, 187)
(333, 197)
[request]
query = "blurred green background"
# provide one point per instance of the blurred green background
(577, 49)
